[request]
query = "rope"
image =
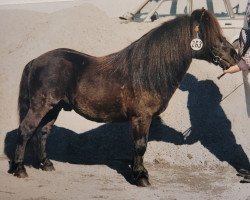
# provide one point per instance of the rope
(231, 92)
(187, 132)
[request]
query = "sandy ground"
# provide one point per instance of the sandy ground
(193, 151)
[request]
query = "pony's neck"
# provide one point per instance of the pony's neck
(158, 60)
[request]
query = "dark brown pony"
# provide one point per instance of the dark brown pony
(134, 84)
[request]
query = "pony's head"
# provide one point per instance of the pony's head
(216, 49)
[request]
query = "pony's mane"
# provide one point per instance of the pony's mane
(154, 61)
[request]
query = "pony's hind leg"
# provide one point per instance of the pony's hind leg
(140, 128)
(25, 131)
(43, 133)
(45, 163)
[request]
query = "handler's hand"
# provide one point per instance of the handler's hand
(232, 69)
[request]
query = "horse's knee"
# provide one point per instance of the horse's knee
(140, 146)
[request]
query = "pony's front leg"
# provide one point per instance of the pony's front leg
(140, 128)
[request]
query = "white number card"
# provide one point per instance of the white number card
(196, 44)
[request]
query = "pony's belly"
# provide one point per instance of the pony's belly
(101, 111)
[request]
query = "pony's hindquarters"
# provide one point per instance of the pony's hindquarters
(39, 107)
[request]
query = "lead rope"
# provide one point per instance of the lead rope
(187, 132)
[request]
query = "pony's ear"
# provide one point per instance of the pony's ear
(199, 14)
(195, 16)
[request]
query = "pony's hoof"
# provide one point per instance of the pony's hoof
(21, 174)
(17, 169)
(48, 168)
(243, 172)
(47, 165)
(141, 178)
(142, 182)
(246, 179)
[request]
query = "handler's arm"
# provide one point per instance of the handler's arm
(233, 69)
(242, 65)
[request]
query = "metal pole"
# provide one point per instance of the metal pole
(148, 18)
(130, 15)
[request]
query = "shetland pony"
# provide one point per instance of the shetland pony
(134, 84)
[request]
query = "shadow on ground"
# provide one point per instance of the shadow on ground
(111, 144)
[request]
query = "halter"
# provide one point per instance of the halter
(216, 59)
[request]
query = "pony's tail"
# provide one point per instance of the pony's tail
(23, 99)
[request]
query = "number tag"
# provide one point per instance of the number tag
(196, 44)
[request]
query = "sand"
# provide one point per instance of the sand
(92, 159)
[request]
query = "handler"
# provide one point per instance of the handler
(244, 66)
(244, 51)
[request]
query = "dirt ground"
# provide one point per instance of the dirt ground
(72, 181)
(194, 148)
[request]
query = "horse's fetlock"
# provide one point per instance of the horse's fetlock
(139, 172)
(17, 169)
(140, 148)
